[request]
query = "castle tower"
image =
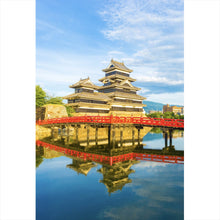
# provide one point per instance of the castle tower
(118, 86)
(85, 100)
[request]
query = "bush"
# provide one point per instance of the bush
(155, 115)
(69, 110)
(165, 115)
(54, 100)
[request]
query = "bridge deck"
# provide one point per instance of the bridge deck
(144, 121)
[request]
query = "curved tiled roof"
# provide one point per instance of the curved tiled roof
(88, 95)
(125, 95)
(84, 83)
(117, 65)
(117, 76)
(118, 85)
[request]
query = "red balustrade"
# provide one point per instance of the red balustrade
(162, 122)
(113, 159)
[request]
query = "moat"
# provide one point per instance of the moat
(75, 179)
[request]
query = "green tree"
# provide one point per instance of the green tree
(40, 96)
(69, 110)
(155, 115)
(181, 116)
(168, 115)
(54, 100)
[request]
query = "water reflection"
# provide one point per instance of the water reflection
(112, 173)
(116, 149)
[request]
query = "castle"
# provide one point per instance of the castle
(117, 95)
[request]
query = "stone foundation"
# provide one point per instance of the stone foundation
(51, 111)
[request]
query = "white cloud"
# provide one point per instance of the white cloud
(154, 31)
(138, 19)
(165, 47)
(143, 90)
(143, 78)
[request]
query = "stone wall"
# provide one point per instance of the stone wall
(51, 111)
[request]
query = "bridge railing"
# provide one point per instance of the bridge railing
(112, 159)
(116, 120)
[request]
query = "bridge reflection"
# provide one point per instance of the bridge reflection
(116, 157)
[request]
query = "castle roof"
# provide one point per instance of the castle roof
(88, 95)
(117, 65)
(117, 76)
(87, 83)
(89, 105)
(124, 85)
(125, 95)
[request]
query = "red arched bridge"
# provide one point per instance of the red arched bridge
(145, 121)
(113, 159)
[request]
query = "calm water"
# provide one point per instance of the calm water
(68, 188)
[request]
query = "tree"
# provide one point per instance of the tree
(181, 116)
(69, 110)
(168, 115)
(54, 100)
(155, 115)
(40, 96)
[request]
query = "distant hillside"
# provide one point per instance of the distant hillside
(156, 106)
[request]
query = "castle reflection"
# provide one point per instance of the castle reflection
(116, 151)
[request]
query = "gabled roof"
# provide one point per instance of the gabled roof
(117, 65)
(126, 83)
(87, 83)
(117, 76)
(88, 95)
(125, 95)
(118, 85)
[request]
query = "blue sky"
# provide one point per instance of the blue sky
(77, 39)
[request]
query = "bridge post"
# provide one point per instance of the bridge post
(68, 134)
(96, 135)
(138, 136)
(171, 136)
(113, 135)
(109, 135)
(59, 130)
(68, 130)
(87, 135)
(165, 134)
(76, 131)
(133, 135)
(121, 136)
(52, 133)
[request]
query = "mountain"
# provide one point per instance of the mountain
(156, 106)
